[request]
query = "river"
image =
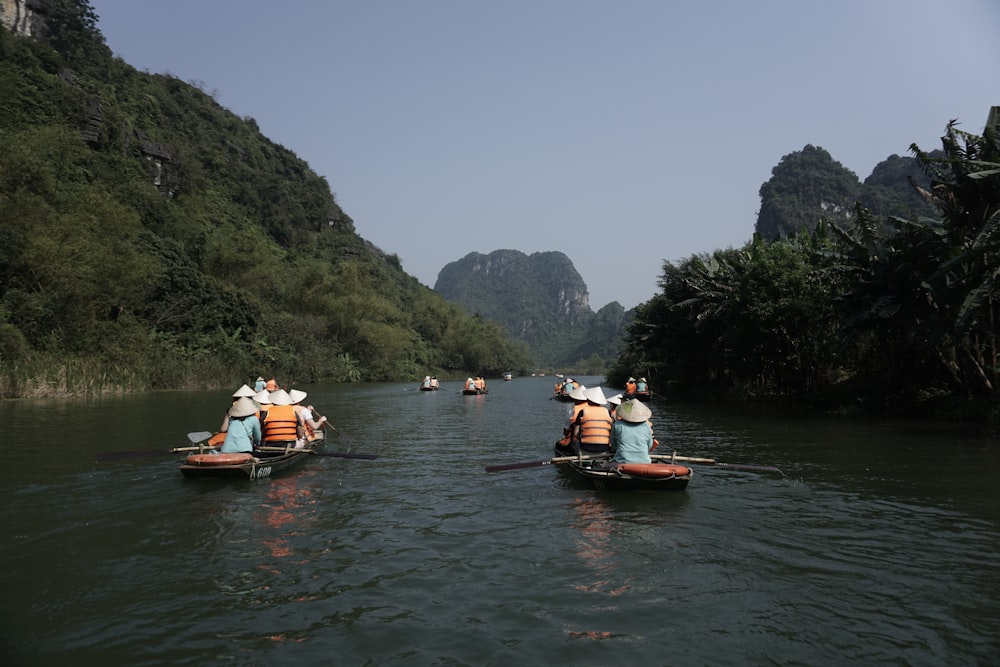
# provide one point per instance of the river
(878, 545)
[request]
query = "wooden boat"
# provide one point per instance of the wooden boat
(643, 396)
(507, 377)
(475, 392)
(630, 476)
(562, 396)
(264, 462)
(423, 388)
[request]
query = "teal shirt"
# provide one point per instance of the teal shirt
(631, 442)
(242, 435)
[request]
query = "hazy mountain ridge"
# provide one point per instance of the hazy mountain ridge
(540, 299)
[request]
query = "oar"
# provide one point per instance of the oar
(196, 437)
(713, 462)
(339, 455)
(544, 462)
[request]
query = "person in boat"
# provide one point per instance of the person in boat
(470, 384)
(566, 446)
(641, 386)
(271, 385)
(435, 383)
(244, 391)
(480, 382)
(632, 433)
(593, 423)
(569, 385)
(263, 400)
(282, 424)
(259, 384)
(311, 419)
(630, 387)
(244, 431)
(613, 403)
(426, 384)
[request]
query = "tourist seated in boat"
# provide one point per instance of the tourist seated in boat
(244, 391)
(567, 446)
(271, 385)
(259, 384)
(311, 419)
(595, 423)
(426, 384)
(435, 383)
(244, 431)
(480, 383)
(263, 401)
(630, 387)
(613, 403)
(470, 384)
(569, 385)
(632, 433)
(641, 386)
(282, 424)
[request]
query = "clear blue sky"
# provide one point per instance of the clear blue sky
(622, 132)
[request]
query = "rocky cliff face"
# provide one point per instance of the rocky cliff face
(540, 299)
(24, 17)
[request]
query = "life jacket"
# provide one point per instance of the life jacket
(595, 425)
(271, 385)
(281, 424)
(480, 383)
(630, 387)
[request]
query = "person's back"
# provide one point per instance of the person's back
(632, 433)
(244, 428)
(641, 385)
(282, 424)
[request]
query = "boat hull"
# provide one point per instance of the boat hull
(261, 465)
(631, 476)
(474, 392)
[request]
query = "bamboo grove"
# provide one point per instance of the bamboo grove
(886, 313)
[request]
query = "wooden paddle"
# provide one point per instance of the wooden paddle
(712, 462)
(196, 437)
(544, 462)
(340, 455)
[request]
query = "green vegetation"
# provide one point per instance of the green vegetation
(894, 313)
(153, 239)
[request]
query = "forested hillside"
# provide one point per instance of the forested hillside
(155, 239)
(881, 313)
(540, 299)
(809, 186)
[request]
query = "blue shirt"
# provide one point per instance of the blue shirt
(631, 441)
(242, 435)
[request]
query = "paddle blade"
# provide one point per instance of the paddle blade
(517, 466)
(121, 456)
(348, 455)
(199, 436)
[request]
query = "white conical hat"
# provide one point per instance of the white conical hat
(297, 395)
(633, 410)
(579, 393)
(245, 390)
(244, 407)
(280, 397)
(596, 395)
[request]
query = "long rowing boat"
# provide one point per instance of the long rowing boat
(605, 475)
(263, 462)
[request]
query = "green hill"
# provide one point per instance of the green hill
(540, 299)
(155, 239)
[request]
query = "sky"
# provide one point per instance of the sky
(623, 133)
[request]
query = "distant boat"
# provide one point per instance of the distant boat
(507, 377)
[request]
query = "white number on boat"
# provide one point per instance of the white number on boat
(263, 471)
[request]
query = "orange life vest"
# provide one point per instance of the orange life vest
(281, 424)
(595, 425)
(271, 385)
